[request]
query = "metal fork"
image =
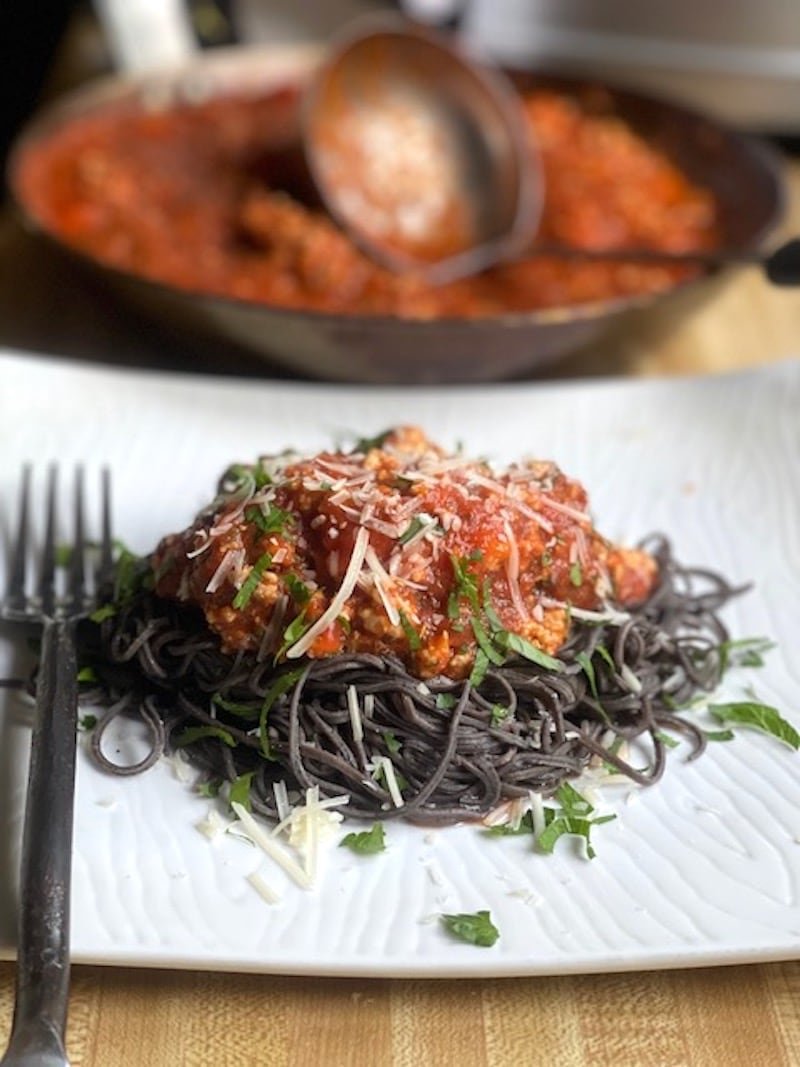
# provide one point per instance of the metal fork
(43, 962)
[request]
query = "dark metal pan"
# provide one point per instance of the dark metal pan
(743, 173)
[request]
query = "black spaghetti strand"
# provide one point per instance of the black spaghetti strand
(457, 751)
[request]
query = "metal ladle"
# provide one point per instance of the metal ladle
(423, 156)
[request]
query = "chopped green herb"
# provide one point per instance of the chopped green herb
(366, 444)
(197, 733)
(250, 583)
(489, 650)
(242, 710)
(271, 521)
(210, 788)
(499, 713)
(391, 742)
(465, 588)
(761, 716)
(576, 574)
(366, 843)
(105, 611)
(379, 774)
(445, 701)
(280, 686)
(719, 735)
(261, 476)
(298, 590)
(585, 661)
(345, 623)
(491, 615)
(745, 652)
(240, 790)
(575, 817)
(476, 929)
(87, 722)
(666, 739)
(613, 749)
(87, 674)
(128, 573)
(293, 632)
(237, 473)
(569, 824)
(479, 668)
(603, 652)
(507, 830)
(515, 643)
(546, 559)
(412, 530)
(413, 638)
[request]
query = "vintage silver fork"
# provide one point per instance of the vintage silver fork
(43, 959)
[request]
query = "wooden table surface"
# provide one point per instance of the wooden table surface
(747, 1015)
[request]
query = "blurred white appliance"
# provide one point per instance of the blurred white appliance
(736, 59)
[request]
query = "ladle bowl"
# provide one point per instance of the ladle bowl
(420, 152)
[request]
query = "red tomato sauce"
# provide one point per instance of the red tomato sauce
(397, 548)
(213, 198)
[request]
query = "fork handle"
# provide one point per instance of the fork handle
(43, 962)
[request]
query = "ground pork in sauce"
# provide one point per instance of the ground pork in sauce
(396, 547)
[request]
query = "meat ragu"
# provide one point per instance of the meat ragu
(212, 197)
(397, 547)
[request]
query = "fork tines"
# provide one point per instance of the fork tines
(82, 582)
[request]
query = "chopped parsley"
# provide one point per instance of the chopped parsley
(272, 521)
(475, 929)
(585, 661)
(250, 583)
(128, 574)
(514, 643)
(87, 674)
(575, 816)
(105, 611)
(576, 573)
(666, 739)
(418, 523)
(761, 716)
(210, 788)
(244, 710)
(507, 829)
(366, 843)
(745, 652)
(280, 686)
(465, 587)
(293, 632)
(366, 444)
(87, 722)
(484, 643)
(240, 790)
(413, 638)
(298, 590)
(198, 733)
(391, 742)
(479, 668)
(499, 713)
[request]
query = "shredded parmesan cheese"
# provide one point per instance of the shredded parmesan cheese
(334, 609)
(355, 713)
(270, 847)
(263, 888)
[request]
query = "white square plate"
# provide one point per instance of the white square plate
(703, 868)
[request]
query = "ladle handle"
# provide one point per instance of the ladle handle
(781, 266)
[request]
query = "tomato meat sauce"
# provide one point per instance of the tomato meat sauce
(399, 548)
(213, 197)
